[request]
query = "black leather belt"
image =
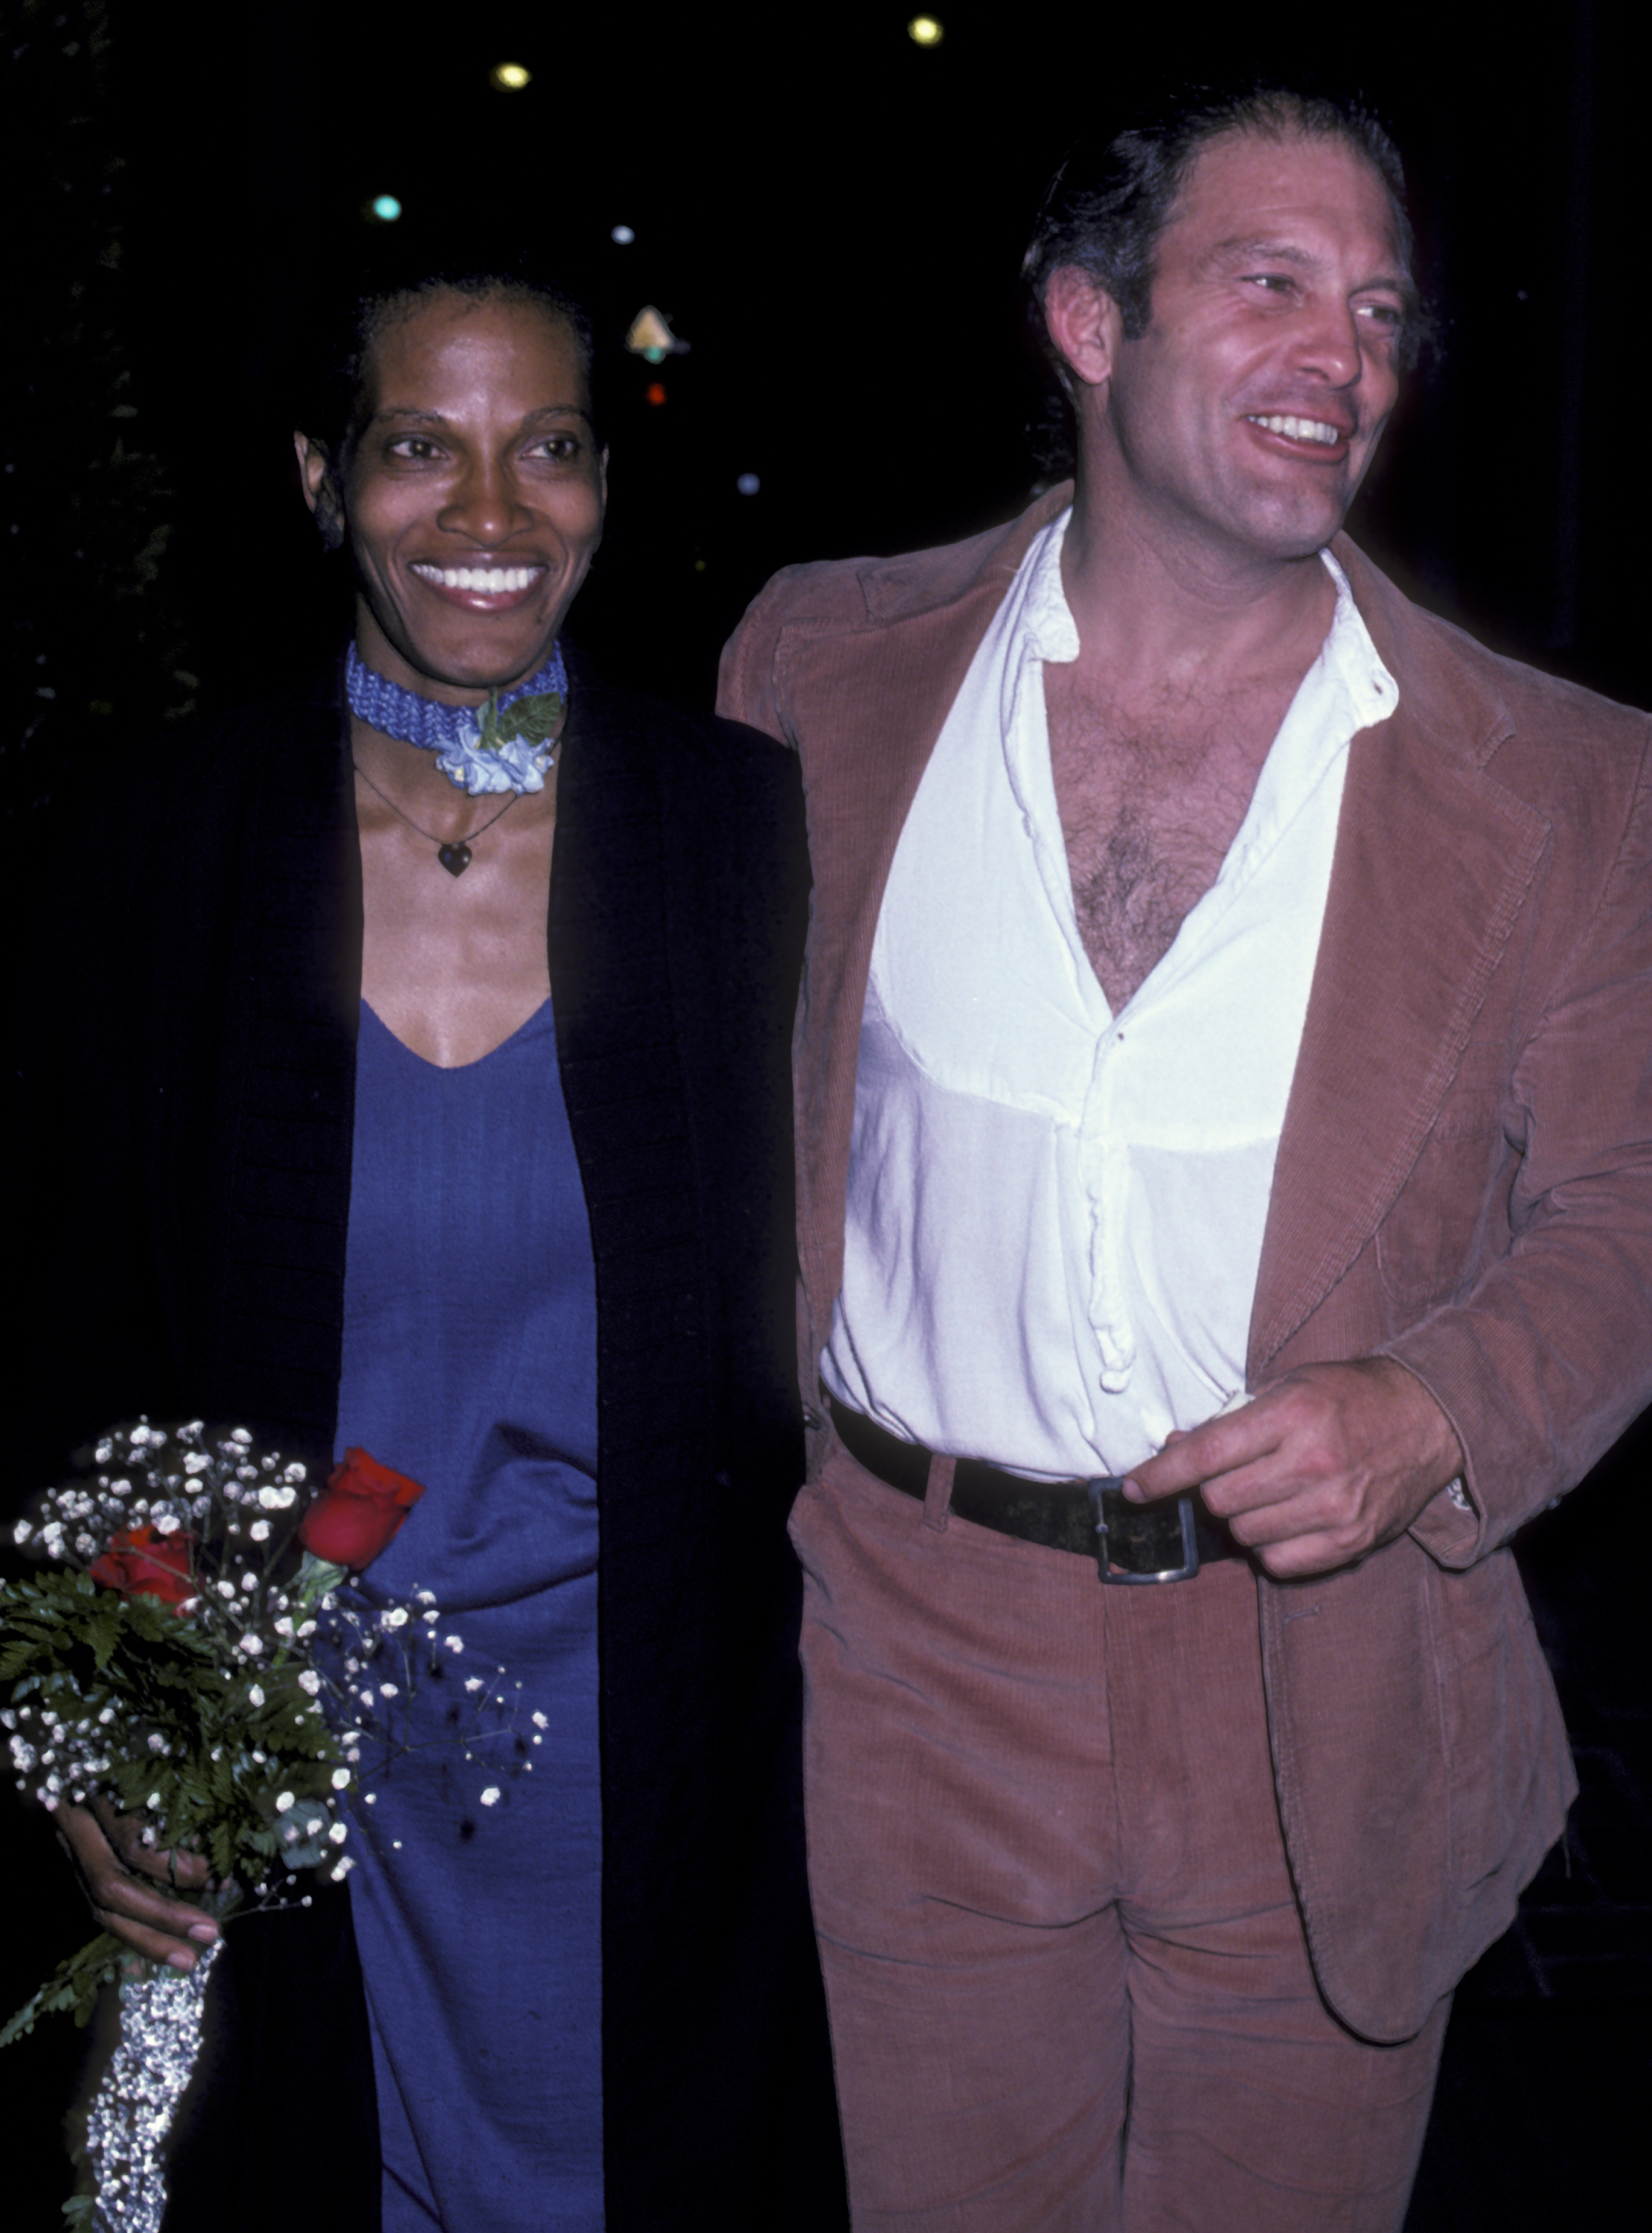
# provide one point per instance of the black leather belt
(1164, 1542)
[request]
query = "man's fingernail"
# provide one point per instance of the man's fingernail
(1132, 1490)
(179, 1959)
(207, 1932)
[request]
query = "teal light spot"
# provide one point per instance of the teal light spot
(386, 208)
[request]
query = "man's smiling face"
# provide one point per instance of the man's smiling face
(1246, 414)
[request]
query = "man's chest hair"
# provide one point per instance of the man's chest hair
(1151, 798)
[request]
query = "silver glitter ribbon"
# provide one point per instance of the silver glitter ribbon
(133, 2110)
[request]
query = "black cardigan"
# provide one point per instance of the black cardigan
(188, 1084)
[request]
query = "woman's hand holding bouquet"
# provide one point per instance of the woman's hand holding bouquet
(164, 1704)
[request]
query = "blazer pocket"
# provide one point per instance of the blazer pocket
(1428, 1244)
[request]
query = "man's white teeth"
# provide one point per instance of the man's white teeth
(492, 581)
(1299, 430)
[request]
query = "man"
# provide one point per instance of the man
(1224, 980)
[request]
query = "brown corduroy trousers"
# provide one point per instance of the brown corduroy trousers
(1067, 1982)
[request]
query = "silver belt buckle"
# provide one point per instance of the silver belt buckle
(1142, 1542)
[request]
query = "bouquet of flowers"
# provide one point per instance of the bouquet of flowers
(169, 1667)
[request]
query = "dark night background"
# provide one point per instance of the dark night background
(832, 216)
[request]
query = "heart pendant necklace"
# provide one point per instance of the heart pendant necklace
(454, 858)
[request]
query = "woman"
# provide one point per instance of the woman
(383, 1132)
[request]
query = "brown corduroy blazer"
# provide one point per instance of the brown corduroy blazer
(1464, 1183)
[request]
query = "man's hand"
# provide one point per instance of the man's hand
(112, 1863)
(1318, 1469)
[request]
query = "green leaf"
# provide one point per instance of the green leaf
(533, 718)
(73, 1985)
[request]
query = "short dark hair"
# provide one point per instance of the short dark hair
(1110, 200)
(332, 385)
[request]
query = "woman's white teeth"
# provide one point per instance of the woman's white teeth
(1299, 430)
(492, 581)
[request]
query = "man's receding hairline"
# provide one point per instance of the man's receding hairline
(1303, 135)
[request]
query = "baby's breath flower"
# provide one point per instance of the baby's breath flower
(454, 1642)
(22, 1531)
(255, 1696)
(386, 1690)
(259, 1531)
(240, 1435)
(197, 1461)
(473, 1682)
(309, 1682)
(340, 1778)
(344, 1864)
(166, 1523)
(251, 1645)
(293, 1473)
(396, 1617)
(338, 1833)
(284, 1801)
(490, 1796)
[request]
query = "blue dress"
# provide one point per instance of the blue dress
(470, 1362)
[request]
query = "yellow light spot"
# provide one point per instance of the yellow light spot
(509, 77)
(924, 32)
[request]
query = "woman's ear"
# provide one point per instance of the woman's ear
(320, 484)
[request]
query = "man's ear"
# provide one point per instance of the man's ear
(1084, 323)
(319, 485)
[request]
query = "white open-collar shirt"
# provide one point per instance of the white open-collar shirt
(1054, 1213)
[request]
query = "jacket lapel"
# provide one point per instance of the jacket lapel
(887, 686)
(1432, 859)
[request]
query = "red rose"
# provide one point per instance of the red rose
(142, 1563)
(358, 1512)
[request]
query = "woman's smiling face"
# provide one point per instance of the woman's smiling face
(474, 493)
